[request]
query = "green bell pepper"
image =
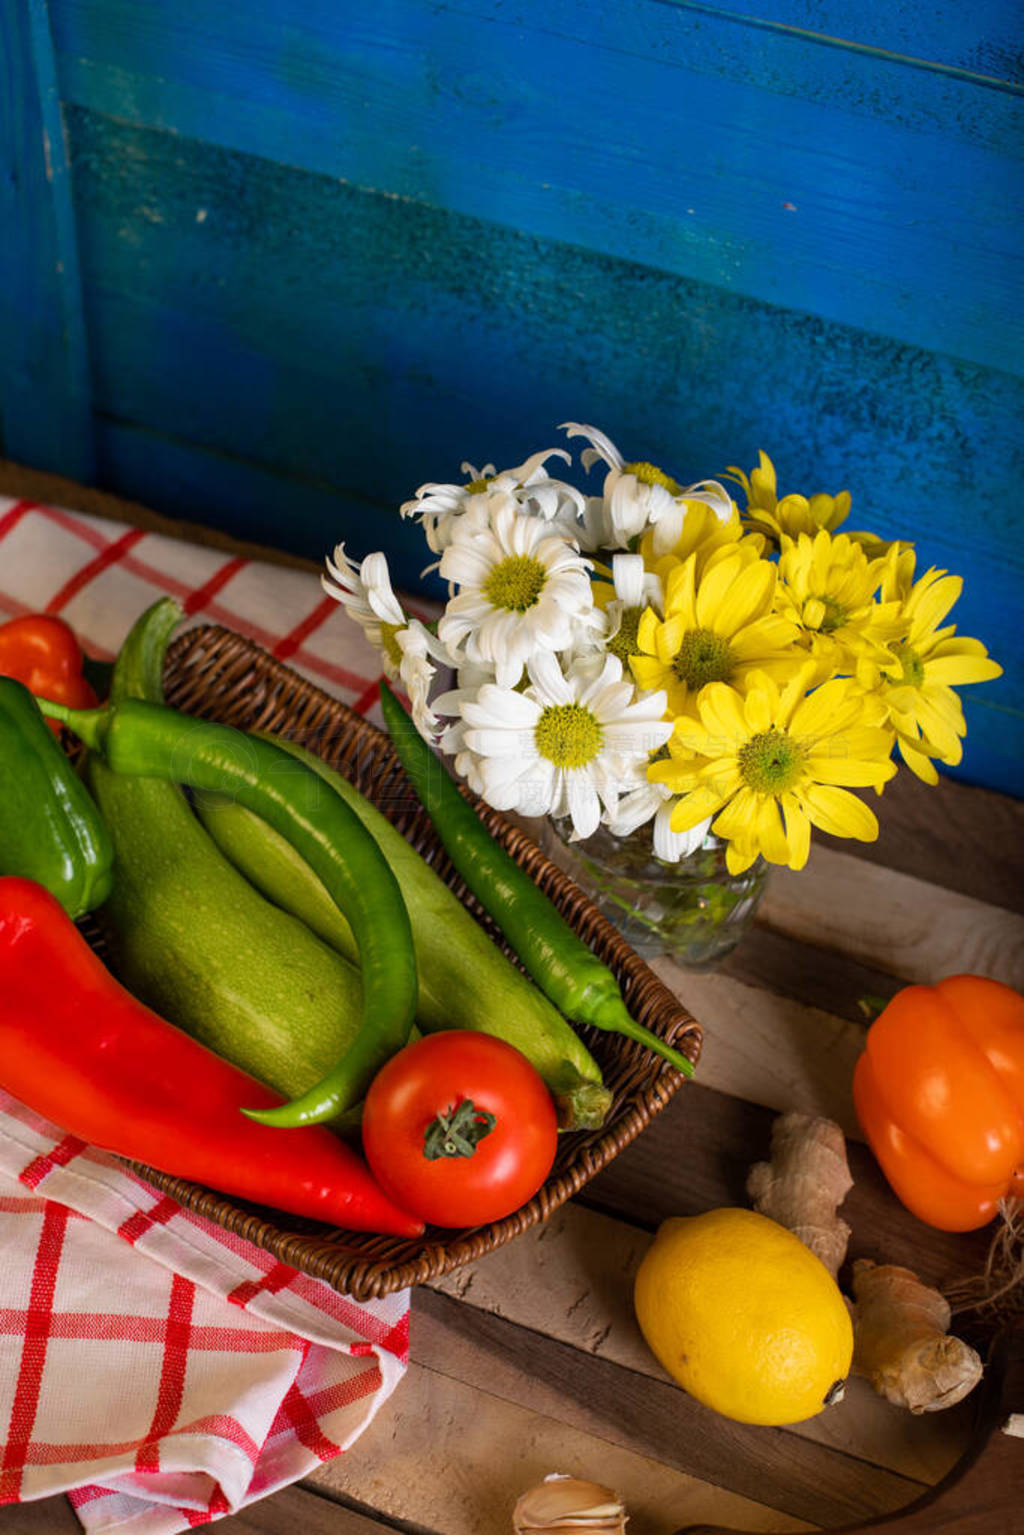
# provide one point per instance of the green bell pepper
(50, 828)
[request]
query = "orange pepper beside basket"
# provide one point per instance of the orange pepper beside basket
(939, 1092)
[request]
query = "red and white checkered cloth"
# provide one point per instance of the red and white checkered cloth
(100, 576)
(156, 1368)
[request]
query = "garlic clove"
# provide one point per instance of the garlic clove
(569, 1505)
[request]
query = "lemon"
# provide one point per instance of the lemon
(744, 1316)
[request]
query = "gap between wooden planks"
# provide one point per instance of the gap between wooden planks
(452, 1455)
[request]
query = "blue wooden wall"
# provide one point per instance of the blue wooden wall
(272, 266)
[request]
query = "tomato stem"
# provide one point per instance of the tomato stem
(458, 1132)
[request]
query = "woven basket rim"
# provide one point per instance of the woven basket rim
(219, 674)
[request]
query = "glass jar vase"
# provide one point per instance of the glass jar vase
(693, 911)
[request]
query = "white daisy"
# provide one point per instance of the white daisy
(565, 744)
(633, 589)
(654, 801)
(637, 496)
(364, 591)
(440, 507)
(419, 650)
(520, 588)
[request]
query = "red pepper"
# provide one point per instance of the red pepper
(939, 1092)
(41, 651)
(78, 1048)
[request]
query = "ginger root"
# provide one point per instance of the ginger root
(900, 1326)
(902, 1343)
(805, 1182)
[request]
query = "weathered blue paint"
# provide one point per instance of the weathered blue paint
(844, 183)
(45, 405)
(329, 253)
(981, 39)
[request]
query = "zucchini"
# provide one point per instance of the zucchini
(465, 982)
(192, 938)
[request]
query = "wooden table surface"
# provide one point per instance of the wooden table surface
(530, 1361)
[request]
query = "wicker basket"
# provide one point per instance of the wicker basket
(217, 674)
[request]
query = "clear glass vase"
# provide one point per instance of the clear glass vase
(693, 911)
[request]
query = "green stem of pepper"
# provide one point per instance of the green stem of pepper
(565, 969)
(151, 741)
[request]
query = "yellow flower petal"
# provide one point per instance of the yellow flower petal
(828, 709)
(798, 831)
(917, 762)
(745, 597)
(737, 819)
(721, 712)
(930, 601)
(854, 773)
(723, 776)
(648, 672)
(739, 856)
(764, 636)
(693, 808)
(679, 592)
(647, 630)
(770, 834)
(959, 670)
(668, 639)
(939, 713)
(838, 811)
(757, 711)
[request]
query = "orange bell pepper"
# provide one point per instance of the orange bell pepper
(939, 1092)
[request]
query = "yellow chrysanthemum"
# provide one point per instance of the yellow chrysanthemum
(703, 533)
(769, 765)
(827, 587)
(793, 514)
(929, 660)
(718, 627)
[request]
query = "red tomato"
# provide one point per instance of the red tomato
(432, 1101)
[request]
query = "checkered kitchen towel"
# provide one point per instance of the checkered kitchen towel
(156, 1368)
(100, 576)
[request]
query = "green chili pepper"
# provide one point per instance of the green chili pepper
(50, 829)
(565, 969)
(148, 740)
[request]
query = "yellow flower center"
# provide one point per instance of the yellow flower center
(771, 761)
(835, 615)
(623, 644)
(703, 657)
(913, 666)
(650, 474)
(389, 643)
(477, 487)
(515, 583)
(568, 735)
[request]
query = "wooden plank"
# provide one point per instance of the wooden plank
(46, 1516)
(696, 1154)
(770, 1049)
(293, 1508)
(984, 39)
(951, 834)
(45, 407)
(451, 1457)
(573, 1280)
(25, 484)
(826, 981)
(782, 1470)
(229, 285)
(804, 175)
(880, 917)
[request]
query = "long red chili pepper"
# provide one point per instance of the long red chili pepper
(40, 650)
(78, 1048)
